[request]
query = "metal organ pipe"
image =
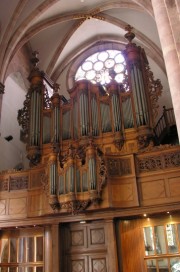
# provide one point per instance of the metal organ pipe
(92, 173)
(53, 176)
(127, 112)
(84, 114)
(116, 112)
(35, 118)
(56, 124)
(66, 126)
(71, 178)
(94, 110)
(144, 101)
(75, 119)
(139, 98)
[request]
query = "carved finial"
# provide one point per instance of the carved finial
(129, 35)
(56, 87)
(35, 59)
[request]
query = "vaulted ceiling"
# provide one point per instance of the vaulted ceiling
(60, 30)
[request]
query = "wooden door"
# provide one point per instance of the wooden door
(85, 247)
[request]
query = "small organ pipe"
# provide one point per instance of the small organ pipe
(92, 173)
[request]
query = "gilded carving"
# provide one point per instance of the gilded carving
(119, 167)
(167, 160)
(23, 115)
(155, 90)
(76, 206)
(4, 184)
(172, 160)
(150, 164)
(18, 183)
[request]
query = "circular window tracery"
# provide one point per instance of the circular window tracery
(97, 67)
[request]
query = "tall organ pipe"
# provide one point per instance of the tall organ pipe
(116, 112)
(94, 109)
(92, 173)
(136, 65)
(56, 116)
(35, 123)
(84, 114)
(53, 174)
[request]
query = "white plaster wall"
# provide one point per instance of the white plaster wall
(14, 151)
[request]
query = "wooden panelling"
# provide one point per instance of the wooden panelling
(160, 188)
(36, 178)
(2, 207)
(124, 192)
(132, 246)
(17, 206)
(98, 263)
(153, 189)
(174, 186)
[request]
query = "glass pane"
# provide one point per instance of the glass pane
(13, 269)
(29, 269)
(21, 269)
(39, 249)
(22, 252)
(171, 238)
(163, 265)
(13, 250)
(151, 266)
(4, 269)
(4, 251)
(30, 249)
(175, 264)
(148, 241)
(39, 269)
(160, 242)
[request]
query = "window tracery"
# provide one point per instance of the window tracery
(98, 67)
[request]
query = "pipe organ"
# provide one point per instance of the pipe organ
(72, 137)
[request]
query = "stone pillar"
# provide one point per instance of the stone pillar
(162, 10)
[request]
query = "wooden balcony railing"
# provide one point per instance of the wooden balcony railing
(166, 121)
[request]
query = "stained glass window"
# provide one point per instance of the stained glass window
(99, 67)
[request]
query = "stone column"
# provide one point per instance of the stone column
(162, 12)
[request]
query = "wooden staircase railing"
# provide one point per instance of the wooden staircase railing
(166, 121)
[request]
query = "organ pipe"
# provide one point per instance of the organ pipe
(35, 120)
(92, 173)
(136, 66)
(116, 112)
(55, 116)
(53, 174)
(94, 110)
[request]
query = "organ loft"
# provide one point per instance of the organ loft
(99, 158)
